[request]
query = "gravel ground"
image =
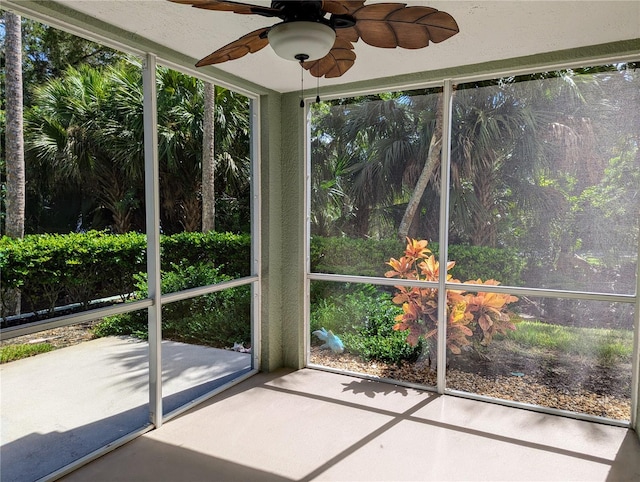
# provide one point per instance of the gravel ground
(520, 387)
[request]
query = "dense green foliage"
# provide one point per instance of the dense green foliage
(218, 319)
(85, 155)
(227, 251)
(55, 269)
(351, 256)
(473, 262)
(50, 269)
(544, 164)
(365, 325)
(368, 257)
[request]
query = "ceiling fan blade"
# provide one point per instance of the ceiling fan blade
(350, 34)
(248, 44)
(229, 6)
(341, 8)
(390, 25)
(335, 63)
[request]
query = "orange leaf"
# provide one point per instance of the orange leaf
(454, 348)
(417, 249)
(402, 267)
(400, 326)
(484, 322)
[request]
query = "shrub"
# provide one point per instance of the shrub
(50, 269)
(59, 269)
(217, 319)
(367, 257)
(233, 251)
(471, 317)
(343, 313)
(473, 262)
(223, 321)
(134, 324)
(351, 256)
(365, 323)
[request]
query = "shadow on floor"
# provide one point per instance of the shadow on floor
(63, 405)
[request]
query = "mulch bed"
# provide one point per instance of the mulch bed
(473, 377)
(57, 337)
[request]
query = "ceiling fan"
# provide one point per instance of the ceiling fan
(320, 34)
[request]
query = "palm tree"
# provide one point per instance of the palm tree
(82, 134)
(330, 160)
(431, 163)
(491, 123)
(180, 117)
(381, 138)
(86, 136)
(384, 143)
(232, 160)
(181, 112)
(208, 160)
(233, 166)
(14, 160)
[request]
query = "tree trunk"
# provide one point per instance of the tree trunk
(191, 219)
(430, 165)
(114, 194)
(208, 160)
(15, 197)
(484, 231)
(15, 200)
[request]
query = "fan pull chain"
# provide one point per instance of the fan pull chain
(317, 90)
(301, 85)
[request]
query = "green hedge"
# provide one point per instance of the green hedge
(58, 269)
(368, 257)
(227, 251)
(350, 256)
(473, 262)
(70, 268)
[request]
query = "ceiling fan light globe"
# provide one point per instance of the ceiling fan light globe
(301, 40)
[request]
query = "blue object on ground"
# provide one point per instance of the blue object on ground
(331, 341)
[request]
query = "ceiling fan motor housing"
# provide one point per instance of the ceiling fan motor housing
(301, 40)
(293, 10)
(307, 31)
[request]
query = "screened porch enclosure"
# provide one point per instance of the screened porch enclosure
(541, 209)
(450, 226)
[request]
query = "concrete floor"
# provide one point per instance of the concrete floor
(62, 405)
(313, 425)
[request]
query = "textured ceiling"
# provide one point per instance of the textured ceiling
(489, 30)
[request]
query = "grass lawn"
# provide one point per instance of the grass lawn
(16, 352)
(607, 346)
